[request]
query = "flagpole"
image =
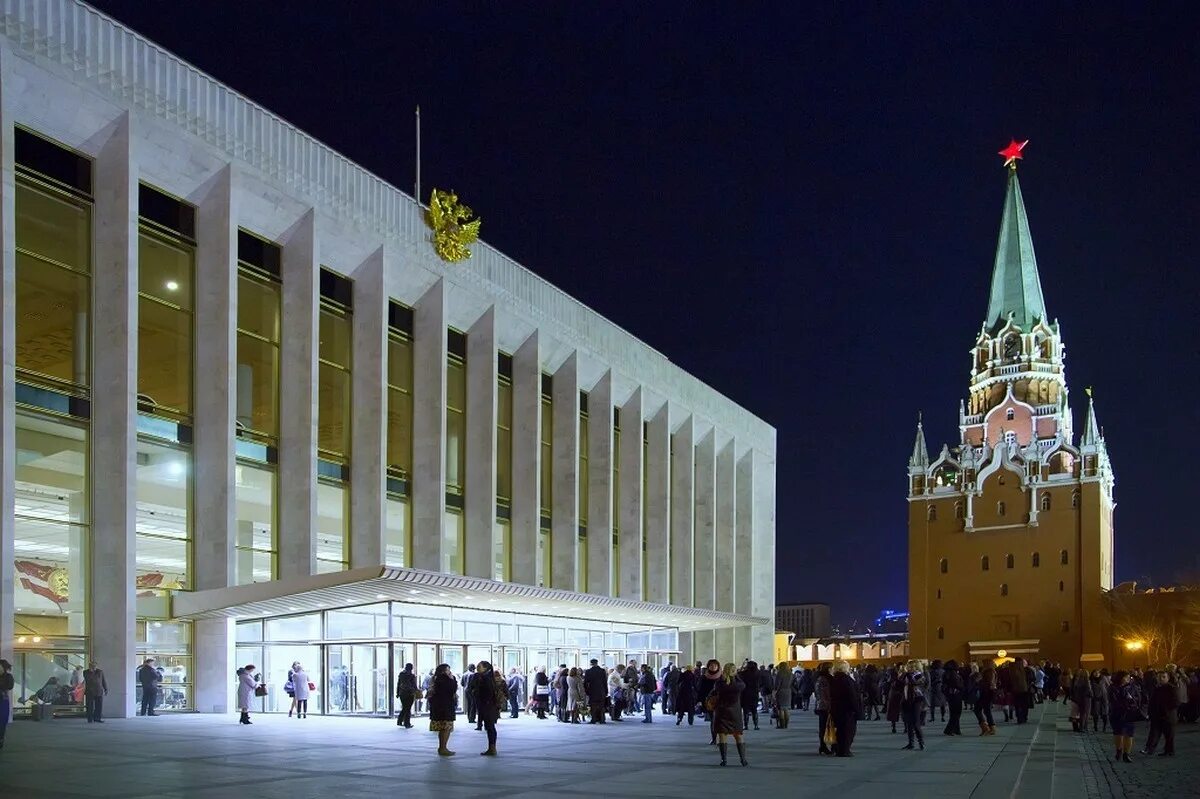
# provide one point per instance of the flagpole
(418, 184)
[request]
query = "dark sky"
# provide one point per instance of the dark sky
(801, 209)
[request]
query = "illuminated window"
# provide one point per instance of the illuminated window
(1009, 414)
(255, 543)
(333, 526)
(400, 386)
(259, 304)
(616, 506)
(456, 414)
(163, 532)
(334, 409)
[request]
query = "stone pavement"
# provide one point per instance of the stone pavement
(212, 757)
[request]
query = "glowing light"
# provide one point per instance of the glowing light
(1134, 646)
(1012, 153)
(37, 639)
(172, 285)
(1001, 653)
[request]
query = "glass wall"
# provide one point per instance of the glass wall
(501, 532)
(333, 384)
(333, 524)
(616, 506)
(163, 530)
(164, 371)
(170, 644)
(455, 533)
(398, 528)
(255, 540)
(258, 303)
(456, 421)
(397, 534)
(581, 568)
(544, 553)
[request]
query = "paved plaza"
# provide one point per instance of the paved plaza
(212, 757)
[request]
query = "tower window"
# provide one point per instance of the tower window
(1045, 502)
(931, 514)
(1004, 589)
(939, 593)
(958, 510)
(1010, 438)
(1062, 556)
(1009, 561)
(1037, 560)
(944, 566)
(942, 632)
(1061, 586)
(985, 563)
(1010, 414)
(999, 508)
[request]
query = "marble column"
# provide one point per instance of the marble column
(213, 487)
(429, 429)
(744, 534)
(630, 512)
(705, 527)
(8, 360)
(564, 477)
(482, 395)
(114, 421)
(300, 331)
(657, 530)
(527, 458)
(600, 487)
(762, 592)
(726, 564)
(368, 431)
(683, 509)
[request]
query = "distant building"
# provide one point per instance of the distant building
(892, 621)
(805, 620)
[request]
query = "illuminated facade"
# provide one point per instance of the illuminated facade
(249, 415)
(1011, 532)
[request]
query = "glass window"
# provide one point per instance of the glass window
(294, 628)
(53, 225)
(456, 434)
(396, 532)
(532, 635)
(258, 304)
(504, 442)
(452, 550)
(163, 547)
(583, 470)
(581, 565)
(249, 631)
(417, 627)
(333, 385)
(367, 621)
(52, 526)
(547, 464)
(501, 543)
(333, 521)
(399, 422)
(543, 557)
(255, 509)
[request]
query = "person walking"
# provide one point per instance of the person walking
(1164, 703)
(516, 692)
(1124, 706)
(491, 694)
(148, 678)
(647, 685)
(595, 686)
(7, 683)
(289, 686)
(246, 689)
(728, 712)
(443, 705)
(685, 696)
(301, 687)
(1022, 697)
(406, 692)
(749, 676)
(845, 707)
(912, 703)
(895, 695)
(821, 706)
(783, 697)
(1099, 709)
(1080, 689)
(983, 704)
(95, 688)
(670, 688)
(953, 689)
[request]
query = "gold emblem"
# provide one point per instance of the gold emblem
(58, 582)
(453, 228)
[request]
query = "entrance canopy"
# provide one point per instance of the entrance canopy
(377, 583)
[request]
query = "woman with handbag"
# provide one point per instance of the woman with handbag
(443, 704)
(541, 692)
(727, 712)
(248, 688)
(1125, 711)
(300, 690)
(289, 687)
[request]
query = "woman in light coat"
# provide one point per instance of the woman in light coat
(576, 698)
(247, 683)
(301, 689)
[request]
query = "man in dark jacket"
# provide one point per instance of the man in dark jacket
(845, 707)
(1164, 700)
(148, 678)
(953, 689)
(469, 695)
(94, 689)
(1020, 683)
(406, 692)
(670, 686)
(595, 685)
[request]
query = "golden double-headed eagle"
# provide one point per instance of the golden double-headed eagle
(453, 227)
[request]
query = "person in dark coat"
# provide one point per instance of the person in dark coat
(406, 692)
(983, 701)
(727, 716)
(541, 692)
(1164, 702)
(468, 694)
(516, 692)
(1080, 689)
(845, 707)
(443, 704)
(821, 706)
(895, 694)
(749, 677)
(491, 694)
(912, 703)
(706, 682)
(685, 696)
(870, 680)
(95, 687)
(953, 689)
(1124, 707)
(595, 685)
(148, 678)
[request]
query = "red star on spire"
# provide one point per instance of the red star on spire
(1012, 153)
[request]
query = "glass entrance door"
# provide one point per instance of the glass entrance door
(358, 679)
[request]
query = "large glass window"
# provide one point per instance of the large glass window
(333, 524)
(583, 468)
(504, 441)
(163, 554)
(255, 541)
(53, 298)
(452, 552)
(165, 323)
(501, 545)
(397, 532)
(616, 506)
(456, 421)
(52, 526)
(333, 401)
(547, 466)
(258, 303)
(399, 424)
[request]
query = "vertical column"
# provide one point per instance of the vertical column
(658, 506)
(631, 497)
(429, 429)
(564, 476)
(683, 508)
(705, 523)
(297, 489)
(114, 426)
(600, 488)
(213, 487)
(725, 537)
(762, 556)
(8, 361)
(744, 546)
(480, 507)
(368, 431)
(527, 455)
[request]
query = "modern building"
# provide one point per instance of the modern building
(250, 415)
(804, 619)
(1011, 531)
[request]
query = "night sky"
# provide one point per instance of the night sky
(801, 210)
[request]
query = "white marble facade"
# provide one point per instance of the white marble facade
(708, 520)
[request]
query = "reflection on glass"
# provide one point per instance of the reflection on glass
(333, 385)
(452, 546)
(399, 421)
(333, 519)
(163, 530)
(456, 433)
(255, 539)
(259, 304)
(396, 531)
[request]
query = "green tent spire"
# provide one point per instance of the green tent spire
(1016, 288)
